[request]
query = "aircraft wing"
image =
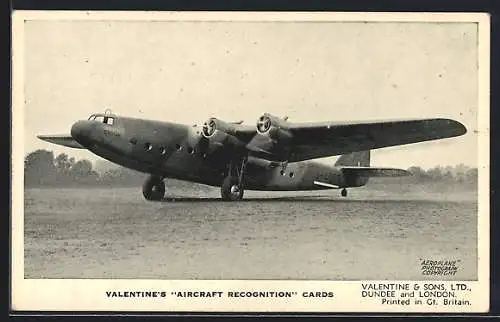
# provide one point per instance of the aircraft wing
(66, 140)
(317, 140)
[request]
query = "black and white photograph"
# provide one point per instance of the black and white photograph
(251, 148)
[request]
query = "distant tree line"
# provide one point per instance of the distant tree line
(42, 168)
(461, 174)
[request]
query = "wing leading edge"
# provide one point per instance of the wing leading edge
(329, 139)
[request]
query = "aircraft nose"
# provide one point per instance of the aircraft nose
(80, 131)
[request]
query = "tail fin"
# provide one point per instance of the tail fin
(356, 159)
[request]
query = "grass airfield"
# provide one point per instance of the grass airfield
(379, 232)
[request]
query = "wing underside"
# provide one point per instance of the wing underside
(324, 139)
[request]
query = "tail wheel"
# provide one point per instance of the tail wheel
(231, 190)
(343, 193)
(154, 189)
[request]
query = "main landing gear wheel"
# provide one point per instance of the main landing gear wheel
(343, 193)
(232, 187)
(154, 189)
(231, 190)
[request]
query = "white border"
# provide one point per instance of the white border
(80, 295)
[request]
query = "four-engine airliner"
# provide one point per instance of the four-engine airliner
(272, 155)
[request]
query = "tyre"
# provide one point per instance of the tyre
(230, 190)
(153, 189)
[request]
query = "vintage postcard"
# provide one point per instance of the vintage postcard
(250, 161)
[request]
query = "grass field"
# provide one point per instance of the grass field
(373, 234)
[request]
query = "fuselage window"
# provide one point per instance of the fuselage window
(178, 147)
(291, 174)
(148, 146)
(190, 150)
(163, 151)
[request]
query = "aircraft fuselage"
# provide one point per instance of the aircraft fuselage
(171, 150)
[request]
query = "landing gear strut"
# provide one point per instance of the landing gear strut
(232, 187)
(154, 188)
(343, 192)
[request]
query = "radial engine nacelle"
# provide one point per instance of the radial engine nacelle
(218, 131)
(273, 126)
(273, 139)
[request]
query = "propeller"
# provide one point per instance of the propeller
(209, 128)
(263, 124)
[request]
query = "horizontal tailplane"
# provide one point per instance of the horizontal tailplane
(373, 172)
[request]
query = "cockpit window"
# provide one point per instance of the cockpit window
(102, 119)
(99, 118)
(108, 120)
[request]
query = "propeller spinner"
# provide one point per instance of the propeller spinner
(209, 128)
(263, 124)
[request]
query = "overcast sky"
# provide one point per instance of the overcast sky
(310, 71)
